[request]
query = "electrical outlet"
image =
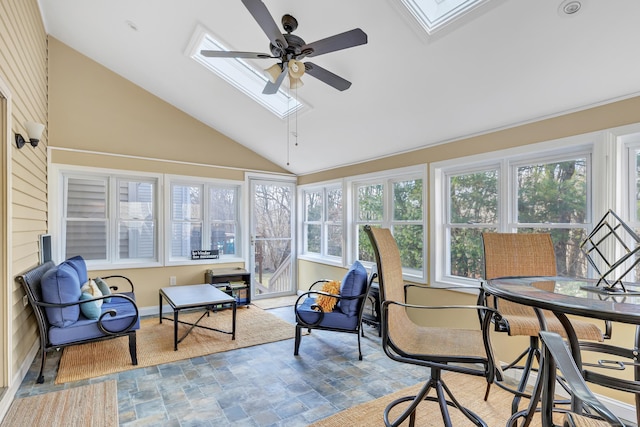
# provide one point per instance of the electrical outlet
(25, 301)
(172, 280)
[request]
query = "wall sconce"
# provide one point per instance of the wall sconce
(34, 132)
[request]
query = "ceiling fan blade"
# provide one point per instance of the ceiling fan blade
(272, 88)
(326, 76)
(262, 16)
(232, 54)
(345, 40)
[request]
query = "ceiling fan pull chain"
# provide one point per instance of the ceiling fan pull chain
(296, 134)
(288, 121)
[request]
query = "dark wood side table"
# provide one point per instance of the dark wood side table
(234, 281)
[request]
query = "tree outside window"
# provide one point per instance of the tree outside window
(473, 209)
(396, 203)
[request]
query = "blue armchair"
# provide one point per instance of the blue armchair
(346, 316)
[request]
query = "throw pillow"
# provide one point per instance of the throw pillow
(104, 288)
(353, 284)
(91, 288)
(77, 262)
(326, 302)
(90, 309)
(60, 285)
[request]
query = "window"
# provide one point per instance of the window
(241, 74)
(545, 194)
(632, 180)
(435, 14)
(110, 218)
(323, 221)
(396, 203)
(553, 197)
(204, 216)
(473, 209)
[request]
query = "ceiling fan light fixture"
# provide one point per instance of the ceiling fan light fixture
(273, 72)
(295, 83)
(296, 68)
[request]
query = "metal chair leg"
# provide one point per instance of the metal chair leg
(443, 397)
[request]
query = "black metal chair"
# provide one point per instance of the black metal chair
(118, 318)
(346, 316)
(463, 350)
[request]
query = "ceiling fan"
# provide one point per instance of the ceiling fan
(291, 49)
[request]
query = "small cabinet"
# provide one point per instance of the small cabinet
(234, 281)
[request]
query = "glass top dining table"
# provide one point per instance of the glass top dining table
(580, 297)
(575, 296)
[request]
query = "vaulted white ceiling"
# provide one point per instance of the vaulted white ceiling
(506, 63)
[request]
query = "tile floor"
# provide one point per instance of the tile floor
(265, 385)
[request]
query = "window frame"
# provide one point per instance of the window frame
(625, 141)
(387, 179)
(58, 178)
(206, 184)
(323, 255)
(509, 159)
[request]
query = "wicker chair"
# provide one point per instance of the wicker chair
(525, 254)
(466, 351)
(556, 354)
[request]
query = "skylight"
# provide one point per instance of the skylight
(435, 14)
(241, 75)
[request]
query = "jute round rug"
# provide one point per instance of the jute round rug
(155, 343)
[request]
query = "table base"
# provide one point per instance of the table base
(197, 325)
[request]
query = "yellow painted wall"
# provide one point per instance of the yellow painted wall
(309, 272)
(94, 109)
(148, 281)
(100, 119)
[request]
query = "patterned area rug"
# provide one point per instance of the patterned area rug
(93, 405)
(155, 343)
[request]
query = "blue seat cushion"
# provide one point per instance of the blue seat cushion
(85, 329)
(334, 319)
(354, 283)
(61, 285)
